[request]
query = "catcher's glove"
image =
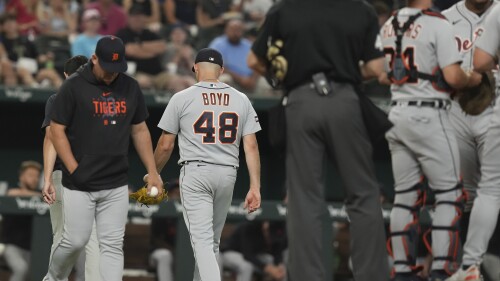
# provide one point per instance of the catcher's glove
(475, 100)
(142, 196)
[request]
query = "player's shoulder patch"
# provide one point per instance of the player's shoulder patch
(434, 14)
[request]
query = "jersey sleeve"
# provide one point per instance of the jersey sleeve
(141, 112)
(446, 46)
(251, 124)
(64, 105)
(48, 109)
(170, 120)
(489, 39)
(372, 46)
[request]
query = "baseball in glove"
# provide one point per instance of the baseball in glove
(475, 100)
(142, 196)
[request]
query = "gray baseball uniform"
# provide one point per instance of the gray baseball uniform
(422, 142)
(469, 130)
(210, 120)
(486, 206)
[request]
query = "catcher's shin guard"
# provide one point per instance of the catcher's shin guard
(449, 197)
(410, 233)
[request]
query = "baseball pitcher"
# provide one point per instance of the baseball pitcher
(210, 118)
(467, 18)
(485, 209)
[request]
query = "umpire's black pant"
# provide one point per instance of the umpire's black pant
(317, 127)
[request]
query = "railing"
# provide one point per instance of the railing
(42, 236)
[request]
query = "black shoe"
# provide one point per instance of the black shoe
(439, 275)
(406, 276)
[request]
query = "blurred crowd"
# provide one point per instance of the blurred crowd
(161, 36)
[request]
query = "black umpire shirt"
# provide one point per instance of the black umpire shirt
(98, 120)
(320, 36)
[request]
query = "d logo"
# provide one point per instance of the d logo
(115, 57)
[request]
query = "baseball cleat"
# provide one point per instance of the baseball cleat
(470, 274)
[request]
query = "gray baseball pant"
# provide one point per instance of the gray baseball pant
(109, 209)
(19, 261)
(206, 193)
(422, 142)
(162, 260)
(486, 206)
(470, 132)
(91, 255)
(331, 126)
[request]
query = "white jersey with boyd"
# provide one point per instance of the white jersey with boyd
(428, 44)
(213, 122)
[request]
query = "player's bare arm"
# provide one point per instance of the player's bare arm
(251, 148)
(164, 150)
(256, 63)
(49, 159)
(61, 144)
(483, 61)
(373, 68)
(143, 145)
(457, 78)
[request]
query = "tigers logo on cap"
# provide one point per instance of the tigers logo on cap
(111, 54)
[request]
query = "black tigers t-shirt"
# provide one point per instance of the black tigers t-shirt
(98, 120)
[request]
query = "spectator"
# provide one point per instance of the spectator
(180, 12)
(235, 49)
(113, 17)
(163, 233)
(210, 18)
(16, 229)
(23, 58)
(146, 49)
(26, 15)
(180, 55)
(59, 18)
(383, 11)
(257, 246)
(150, 7)
(254, 11)
(84, 44)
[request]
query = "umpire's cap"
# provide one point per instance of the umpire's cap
(111, 53)
(208, 55)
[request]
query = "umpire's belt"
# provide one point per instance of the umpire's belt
(424, 103)
(205, 162)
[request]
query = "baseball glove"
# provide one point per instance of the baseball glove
(142, 196)
(475, 100)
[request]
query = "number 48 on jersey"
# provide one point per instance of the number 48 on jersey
(227, 131)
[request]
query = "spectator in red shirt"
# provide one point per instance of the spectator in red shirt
(26, 15)
(113, 16)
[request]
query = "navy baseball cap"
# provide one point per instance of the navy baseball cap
(208, 55)
(111, 54)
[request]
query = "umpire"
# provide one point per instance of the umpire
(318, 60)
